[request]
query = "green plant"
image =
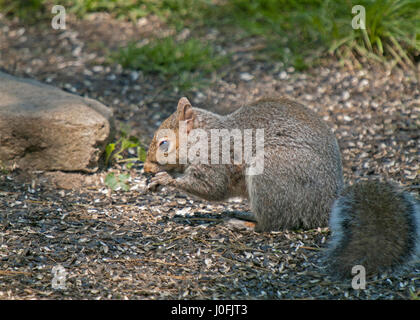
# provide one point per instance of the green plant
(183, 63)
(116, 182)
(3, 168)
(298, 32)
(174, 12)
(392, 33)
(414, 295)
(114, 151)
(295, 32)
(27, 10)
(285, 26)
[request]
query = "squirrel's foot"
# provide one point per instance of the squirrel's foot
(234, 223)
(160, 179)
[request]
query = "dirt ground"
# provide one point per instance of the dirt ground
(166, 245)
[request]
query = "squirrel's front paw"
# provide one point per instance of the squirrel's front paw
(160, 179)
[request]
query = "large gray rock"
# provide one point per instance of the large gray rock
(45, 128)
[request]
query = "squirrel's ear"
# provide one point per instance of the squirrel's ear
(186, 113)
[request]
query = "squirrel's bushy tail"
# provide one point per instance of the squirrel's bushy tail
(373, 224)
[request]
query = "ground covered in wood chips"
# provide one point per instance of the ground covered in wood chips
(166, 245)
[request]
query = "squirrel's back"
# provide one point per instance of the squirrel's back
(280, 117)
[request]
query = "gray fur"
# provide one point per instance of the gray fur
(302, 166)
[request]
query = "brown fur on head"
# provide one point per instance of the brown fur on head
(166, 144)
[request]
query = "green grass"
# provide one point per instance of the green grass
(182, 63)
(175, 12)
(296, 32)
(172, 11)
(285, 26)
(27, 10)
(392, 33)
(299, 32)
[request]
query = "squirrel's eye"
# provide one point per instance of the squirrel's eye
(164, 145)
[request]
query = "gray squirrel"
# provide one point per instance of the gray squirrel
(373, 223)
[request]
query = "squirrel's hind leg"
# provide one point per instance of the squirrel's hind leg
(288, 200)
